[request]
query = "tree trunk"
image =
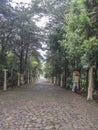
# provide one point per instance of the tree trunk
(91, 84)
(87, 79)
(95, 80)
(22, 67)
(52, 79)
(28, 77)
(56, 79)
(21, 79)
(5, 80)
(31, 77)
(2, 53)
(64, 78)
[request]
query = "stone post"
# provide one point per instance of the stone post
(18, 83)
(55, 80)
(5, 80)
(22, 79)
(61, 81)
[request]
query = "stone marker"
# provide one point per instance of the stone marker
(5, 80)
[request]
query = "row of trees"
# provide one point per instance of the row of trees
(73, 43)
(19, 41)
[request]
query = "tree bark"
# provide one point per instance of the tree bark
(28, 77)
(95, 79)
(22, 67)
(91, 84)
(5, 80)
(64, 77)
(87, 79)
(57, 78)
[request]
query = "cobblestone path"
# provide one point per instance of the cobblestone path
(46, 107)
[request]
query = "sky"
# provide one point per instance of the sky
(24, 1)
(43, 20)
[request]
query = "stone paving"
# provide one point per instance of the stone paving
(46, 107)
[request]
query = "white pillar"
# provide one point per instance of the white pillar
(5, 81)
(22, 79)
(18, 83)
(91, 84)
(61, 82)
(55, 80)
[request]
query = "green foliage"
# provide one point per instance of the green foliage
(19, 39)
(79, 37)
(56, 56)
(47, 70)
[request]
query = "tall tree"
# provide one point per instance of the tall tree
(18, 35)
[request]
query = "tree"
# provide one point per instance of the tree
(5, 29)
(25, 40)
(92, 39)
(80, 39)
(19, 36)
(56, 11)
(56, 55)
